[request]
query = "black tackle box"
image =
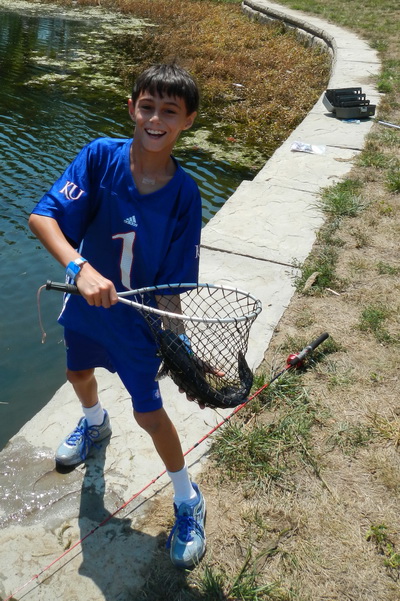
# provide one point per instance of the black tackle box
(348, 103)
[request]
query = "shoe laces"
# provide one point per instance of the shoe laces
(185, 526)
(88, 434)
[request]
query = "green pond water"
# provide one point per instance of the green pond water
(59, 89)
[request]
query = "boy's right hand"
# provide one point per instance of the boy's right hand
(97, 290)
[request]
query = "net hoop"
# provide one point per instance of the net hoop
(202, 339)
(186, 287)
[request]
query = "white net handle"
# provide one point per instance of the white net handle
(122, 297)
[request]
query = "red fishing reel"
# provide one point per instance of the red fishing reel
(294, 361)
(297, 360)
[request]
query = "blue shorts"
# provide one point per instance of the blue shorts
(84, 353)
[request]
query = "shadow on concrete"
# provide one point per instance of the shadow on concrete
(124, 563)
(114, 555)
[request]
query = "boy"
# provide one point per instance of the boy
(125, 215)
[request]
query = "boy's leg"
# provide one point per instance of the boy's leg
(82, 352)
(85, 385)
(187, 541)
(165, 437)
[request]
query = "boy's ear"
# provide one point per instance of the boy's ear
(190, 120)
(131, 109)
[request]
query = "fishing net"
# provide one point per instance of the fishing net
(203, 348)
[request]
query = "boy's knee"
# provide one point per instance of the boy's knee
(152, 421)
(79, 377)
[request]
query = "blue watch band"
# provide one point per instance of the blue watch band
(74, 267)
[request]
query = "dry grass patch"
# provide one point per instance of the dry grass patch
(257, 81)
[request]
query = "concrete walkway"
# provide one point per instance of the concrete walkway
(252, 243)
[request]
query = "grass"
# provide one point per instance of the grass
(337, 375)
(339, 201)
(343, 199)
(351, 437)
(372, 157)
(263, 451)
(379, 535)
(387, 428)
(387, 269)
(244, 586)
(393, 178)
(318, 272)
(373, 318)
(389, 79)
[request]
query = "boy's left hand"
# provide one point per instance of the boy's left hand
(97, 290)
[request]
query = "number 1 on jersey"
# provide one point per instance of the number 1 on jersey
(126, 261)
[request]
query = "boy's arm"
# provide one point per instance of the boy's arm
(171, 304)
(97, 290)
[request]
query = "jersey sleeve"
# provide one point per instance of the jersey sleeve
(71, 201)
(181, 263)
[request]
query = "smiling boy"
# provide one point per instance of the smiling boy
(122, 216)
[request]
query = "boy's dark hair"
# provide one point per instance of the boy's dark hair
(169, 80)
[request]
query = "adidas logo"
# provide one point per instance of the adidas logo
(131, 221)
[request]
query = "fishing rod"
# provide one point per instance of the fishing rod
(387, 124)
(294, 361)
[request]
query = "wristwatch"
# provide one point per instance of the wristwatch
(74, 267)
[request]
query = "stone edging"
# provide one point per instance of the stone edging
(306, 31)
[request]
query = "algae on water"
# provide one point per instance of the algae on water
(92, 55)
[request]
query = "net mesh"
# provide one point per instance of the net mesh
(209, 365)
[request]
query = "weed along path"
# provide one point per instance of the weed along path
(51, 545)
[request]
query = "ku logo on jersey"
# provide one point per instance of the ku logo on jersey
(71, 191)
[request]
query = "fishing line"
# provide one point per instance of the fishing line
(293, 361)
(39, 310)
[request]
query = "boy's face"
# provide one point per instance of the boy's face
(159, 121)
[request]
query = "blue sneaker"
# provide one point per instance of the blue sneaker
(187, 540)
(76, 446)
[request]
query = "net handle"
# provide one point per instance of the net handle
(71, 289)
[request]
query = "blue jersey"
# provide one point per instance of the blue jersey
(132, 239)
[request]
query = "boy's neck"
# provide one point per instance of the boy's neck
(151, 171)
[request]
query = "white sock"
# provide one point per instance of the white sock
(183, 489)
(94, 415)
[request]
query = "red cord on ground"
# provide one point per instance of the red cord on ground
(288, 366)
